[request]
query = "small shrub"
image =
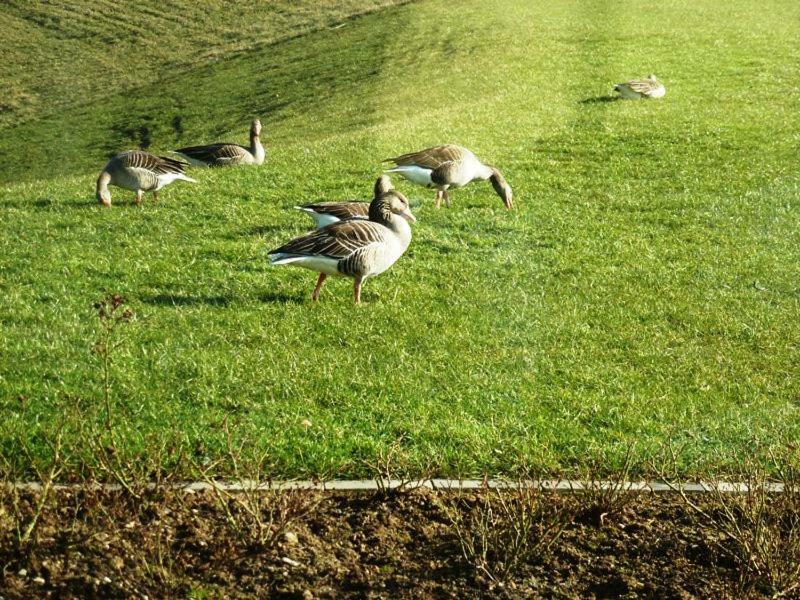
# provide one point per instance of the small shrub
(502, 529)
(757, 529)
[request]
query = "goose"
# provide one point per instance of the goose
(449, 166)
(641, 88)
(141, 172)
(224, 154)
(357, 248)
(325, 213)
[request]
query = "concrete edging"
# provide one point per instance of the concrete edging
(362, 485)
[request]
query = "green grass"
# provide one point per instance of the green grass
(645, 291)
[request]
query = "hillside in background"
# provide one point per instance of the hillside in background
(61, 62)
(643, 293)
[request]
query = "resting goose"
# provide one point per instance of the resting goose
(325, 213)
(225, 154)
(449, 166)
(139, 171)
(641, 88)
(358, 248)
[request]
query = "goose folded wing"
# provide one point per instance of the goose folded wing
(340, 210)
(642, 87)
(137, 159)
(338, 240)
(430, 158)
(219, 153)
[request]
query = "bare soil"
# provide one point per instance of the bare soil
(164, 544)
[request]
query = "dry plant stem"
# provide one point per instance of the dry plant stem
(763, 526)
(253, 513)
(505, 529)
(385, 468)
(47, 477)
(110, 315)
(609, 497)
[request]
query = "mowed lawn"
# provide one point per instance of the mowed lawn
(644, 293)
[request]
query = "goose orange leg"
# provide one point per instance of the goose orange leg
(446, 198)
(439, 195)
(320, 280)
(357, 290)
(138, 198)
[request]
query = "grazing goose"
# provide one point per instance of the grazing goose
(225, 154)
(325, 213)
(641, 88)
(139, 171)
(449, 166)
(357, 248)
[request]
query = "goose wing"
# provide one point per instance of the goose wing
(431, 158)
(160, 165)
(216, 154)
(338, 240)
(642, 86)
(340, 210)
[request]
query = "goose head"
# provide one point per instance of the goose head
(388, 202)
(255, 128)
(502, 188)
(652, 78)
(101, 193)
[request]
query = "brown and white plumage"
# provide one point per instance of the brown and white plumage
(449, 166)
(355, 248)
(325, 213)
(138, 171)
(226, 153)
(641, 88)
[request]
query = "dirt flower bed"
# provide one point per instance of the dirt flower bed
(417, 544)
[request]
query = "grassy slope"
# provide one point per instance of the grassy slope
(56, 55)
(646, 289)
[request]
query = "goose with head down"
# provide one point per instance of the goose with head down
(357, 248)
(449, 166)
(641, 88)
(139, 171)
(225, 154)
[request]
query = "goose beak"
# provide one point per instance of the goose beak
(508, 199)
(406, 214)
(502, 188)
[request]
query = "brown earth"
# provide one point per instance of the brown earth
(306, 545)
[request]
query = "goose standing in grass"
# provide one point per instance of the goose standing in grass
(449, 166)
(325, 213)
(641, 88)
(141, 172)
(357, 248)
(225, 154)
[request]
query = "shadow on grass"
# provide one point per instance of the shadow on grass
(599, 99)
(49, 204)
(260, 230)
(281, 298)
(179, 300)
